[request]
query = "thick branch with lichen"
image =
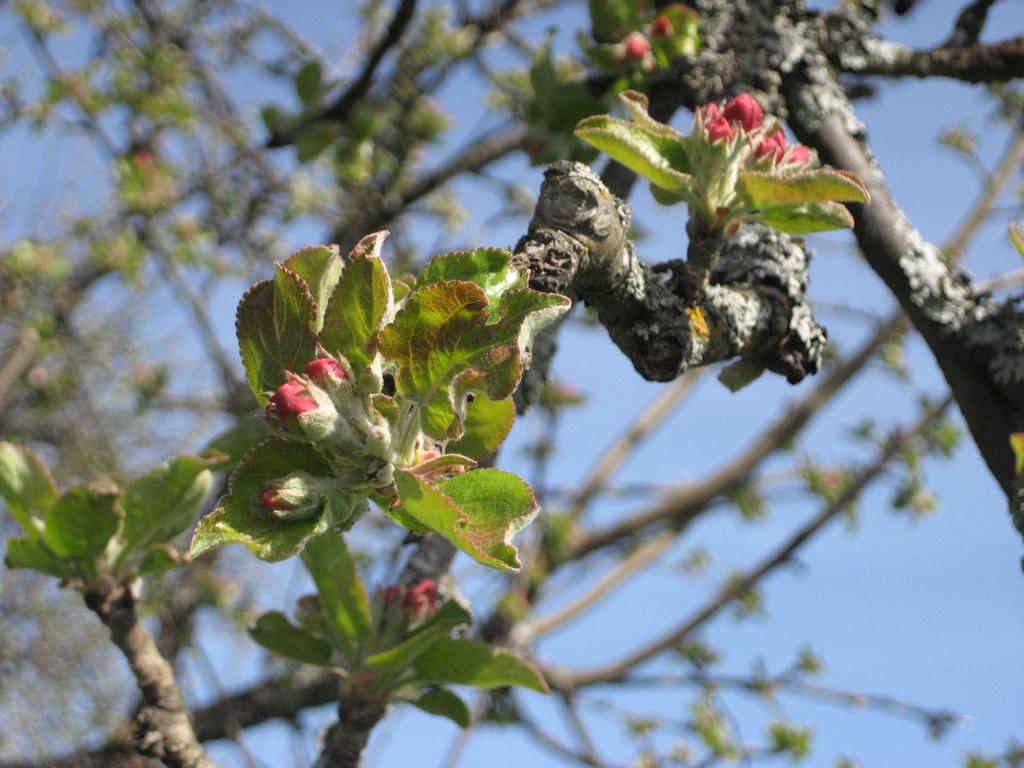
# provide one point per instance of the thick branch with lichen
(977, 342)
(752, 307)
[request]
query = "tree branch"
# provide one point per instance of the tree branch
(577, 244)
(161, 728)
(616, 670)
(978, 343)
(993, 63)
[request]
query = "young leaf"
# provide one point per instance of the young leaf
(444, 703)
(766, 190)
(485, 427)
(82, 521)
(241, 518)
(486, 267)
(274, 331)
(396, 659)
(343, 596)
(361, 301)
(647, 152)
(807, 218)
(275, 633)
(25, 486)
(443, 330)
(164, 502)
(468, 662)
(159, 558)
(34, 555)
(497, 506)
(307, 82)
(320, 267)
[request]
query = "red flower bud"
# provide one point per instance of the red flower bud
(774, 146)
(420, 600)
(745, 111)
(324, 370)
(718, 129)
(289, 402)
(271, 498)
(637, 47)
(661, 27)
(391, 594)
(709, 112)
(799, 156)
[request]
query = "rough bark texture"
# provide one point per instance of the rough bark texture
(161, 728)
(753, 306)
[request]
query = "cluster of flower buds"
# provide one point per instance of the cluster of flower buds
(321, 406)
(742, 119)
(415, 602)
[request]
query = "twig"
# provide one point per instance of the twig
(616, 670)
(161, 728)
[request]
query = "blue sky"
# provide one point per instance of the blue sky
(930, 612)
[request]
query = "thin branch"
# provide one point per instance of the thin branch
(992, 63)
(161, 728)
(616, 670)
(338, 111)
(612, 458)
(1009, 165)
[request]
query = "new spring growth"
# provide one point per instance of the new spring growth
(415, 603)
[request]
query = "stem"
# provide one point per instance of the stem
(162, 728)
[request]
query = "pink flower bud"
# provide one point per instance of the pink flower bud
(272, 500)
(709, 112)
(420, 600)
(661, 28)
(718, 129)
(637, 47)
(774, 146)
(326, 372)
(745, 111)
(799, 156)
(289, 402)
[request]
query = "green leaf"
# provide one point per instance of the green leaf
(486, 267)
(806, 219)
(478, 512)
(308, 80)
(159, 558)
(83, 520)
(241, 518)
(361, 301)
(313, 139)
(343, 596)
(444, 703)
(614, 19)
(25, 486)
(486, 426)
(450, 616)
(561, 95)
(445, 329)
(274, 331)
(164, 502)
(768, 190)
(34, 555)
(646, 151)
(467, 662)
(275, 633)
(320, 267)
